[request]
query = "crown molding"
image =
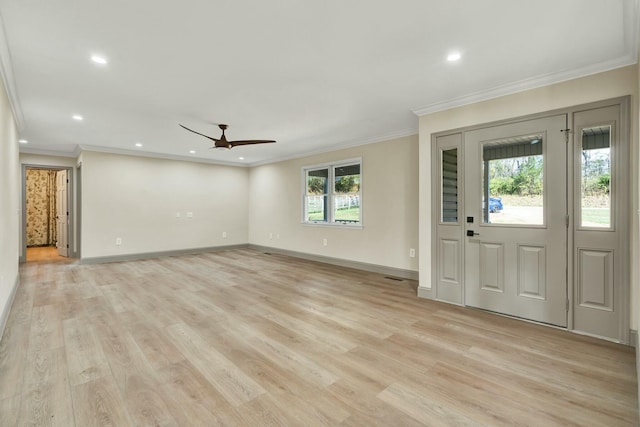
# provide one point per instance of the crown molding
(6, 71)
(41, 152)
(341, 146)
(527, 84)
(631, 38)
(109, 150)
(153, 155)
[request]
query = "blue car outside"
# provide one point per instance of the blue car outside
(495, 204)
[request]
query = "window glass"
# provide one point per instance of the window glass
(346, 198)
(316, 195)
(513, 181)
(333, 194)
(595, 177)
(449, 171)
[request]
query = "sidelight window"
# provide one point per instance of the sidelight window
(595, 177)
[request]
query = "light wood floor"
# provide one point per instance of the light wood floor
(249, 339)
(45, 253)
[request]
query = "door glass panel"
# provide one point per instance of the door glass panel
(449, 173)
(513, 178)
(595, 177)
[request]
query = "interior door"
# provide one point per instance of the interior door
(516, 219)
(62, 213)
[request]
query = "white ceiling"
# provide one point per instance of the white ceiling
(314, 75)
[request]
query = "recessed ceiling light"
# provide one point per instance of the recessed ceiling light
(22, 141)
(192, 151)
(77, 117)
(240, 158)
(454, 56)
(99, 59)
(138, 144)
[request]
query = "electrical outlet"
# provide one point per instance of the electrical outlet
(270, 236)
(224, 234)
(177, 214)
(189, 214)
(324, 242)
(118, 241)
(278, 236)
(412, 253)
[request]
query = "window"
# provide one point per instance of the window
(332, 193)
(513, 178)
(449, 173)
(595, 178)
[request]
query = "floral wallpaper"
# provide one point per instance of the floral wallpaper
(41, 207)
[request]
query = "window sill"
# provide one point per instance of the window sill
(356, 226)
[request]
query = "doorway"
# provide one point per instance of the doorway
(516, 250)
(534, 218)
(46, 215)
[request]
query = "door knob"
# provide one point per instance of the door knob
(471, 233)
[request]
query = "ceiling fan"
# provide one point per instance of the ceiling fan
(224, 143)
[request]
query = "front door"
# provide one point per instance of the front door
(62, 213)
(516, 219)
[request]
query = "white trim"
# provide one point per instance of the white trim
(330, 167)
(424, 292)
(162, 254)
(364, 266)
(152, 155)
(52, 153)
(6, 71)
(340, 146)
(526, 84)
(334, 147)
(353, 226)
(4, 316)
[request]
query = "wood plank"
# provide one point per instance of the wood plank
(85, 358)
(99, 403)
(227, 378)
(244, 338)
(46, 399)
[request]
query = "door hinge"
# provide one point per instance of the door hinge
(566, 132)
(67, 246)
(567, 307)
(566, 221)
(67, 181)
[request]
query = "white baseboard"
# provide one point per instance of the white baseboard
(150, 255)
(7, 308)
(373, 268)
(633, 340)
(425, 292)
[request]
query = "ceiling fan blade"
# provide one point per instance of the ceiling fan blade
(201, 134)
(250, 141)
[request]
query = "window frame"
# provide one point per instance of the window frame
(613, 178)
(329, 205)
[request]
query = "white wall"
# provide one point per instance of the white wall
(611, 84)
(389, 206)
(137, 198)
(9, 207)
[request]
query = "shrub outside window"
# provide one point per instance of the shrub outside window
(332, 193)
